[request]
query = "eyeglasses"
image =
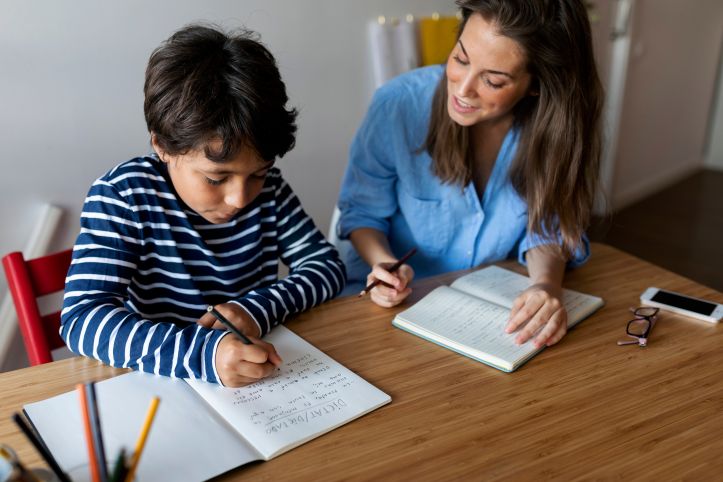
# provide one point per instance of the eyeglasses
(640, 327)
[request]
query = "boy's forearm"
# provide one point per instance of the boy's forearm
(106, 330)
(316, 280)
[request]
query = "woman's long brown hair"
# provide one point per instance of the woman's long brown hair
(558, 156)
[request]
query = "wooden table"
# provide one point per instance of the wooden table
(585, 408)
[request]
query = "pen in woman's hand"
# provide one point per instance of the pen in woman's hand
(391, 269)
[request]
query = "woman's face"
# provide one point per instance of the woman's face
(486, 75)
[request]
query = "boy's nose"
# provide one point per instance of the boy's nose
(236, 196)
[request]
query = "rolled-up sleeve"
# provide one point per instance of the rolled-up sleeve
(531, 240)
(367, 197)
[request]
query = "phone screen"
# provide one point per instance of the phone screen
(683, 302)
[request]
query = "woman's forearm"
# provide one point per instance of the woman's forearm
(372, 246)
(545, 265)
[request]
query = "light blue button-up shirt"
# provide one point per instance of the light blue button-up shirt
(389, 186)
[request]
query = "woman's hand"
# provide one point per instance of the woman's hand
(238, 364)
(539, 307)
(236, 315)
(393, 288)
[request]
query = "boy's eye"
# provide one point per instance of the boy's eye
(260, 175)
(214, 182)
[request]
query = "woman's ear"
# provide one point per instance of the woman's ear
(534, 88)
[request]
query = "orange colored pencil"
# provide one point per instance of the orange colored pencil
(85, 415)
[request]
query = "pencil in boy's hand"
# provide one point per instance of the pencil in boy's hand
(228, 324)
(391, 269)
(150, 415)
(40, 447)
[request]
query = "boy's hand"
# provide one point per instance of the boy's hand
(238, 364)
(539, 309)
(394, 287)
(236, 315)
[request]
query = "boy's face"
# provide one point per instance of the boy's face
(217, 191)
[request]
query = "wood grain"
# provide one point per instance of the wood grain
(585, 408)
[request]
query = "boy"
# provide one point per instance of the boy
(201, 222)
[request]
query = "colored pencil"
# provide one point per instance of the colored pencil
(40, 447)
(96, 431)
(88, 426)
(120, 468)
(142, 439)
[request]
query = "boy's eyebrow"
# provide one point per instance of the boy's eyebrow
(222, 171)
(498, 72)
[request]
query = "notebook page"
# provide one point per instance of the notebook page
(311, 394)
(467, 324)
(495, 284)
(182, 445)
(502, 286)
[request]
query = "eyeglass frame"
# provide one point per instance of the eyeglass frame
(642, 339)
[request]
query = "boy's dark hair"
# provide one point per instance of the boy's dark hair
(202, 84)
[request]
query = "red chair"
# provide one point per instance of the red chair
(28, 280)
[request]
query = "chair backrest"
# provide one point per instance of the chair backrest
(28, 280)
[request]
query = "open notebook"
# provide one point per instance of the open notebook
(469, 316)
(202, 430)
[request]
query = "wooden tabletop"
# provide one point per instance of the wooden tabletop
(585, 408)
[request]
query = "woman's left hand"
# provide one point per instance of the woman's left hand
(539, 307)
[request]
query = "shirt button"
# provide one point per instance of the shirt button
(469, 253)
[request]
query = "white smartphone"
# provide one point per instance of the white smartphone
(683, 305)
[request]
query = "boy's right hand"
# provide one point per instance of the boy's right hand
(238, 364)
(393, 288)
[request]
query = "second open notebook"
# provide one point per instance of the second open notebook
(203, 430)
(470, 315)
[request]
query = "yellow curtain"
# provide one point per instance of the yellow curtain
(437, 36)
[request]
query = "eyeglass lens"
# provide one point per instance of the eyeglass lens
(639, 327)
(645, 311)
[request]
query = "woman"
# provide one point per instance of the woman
(492, 156)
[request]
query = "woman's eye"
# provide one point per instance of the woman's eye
(493, 85)
(214, 182)
(459, 60)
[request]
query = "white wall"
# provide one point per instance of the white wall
(671, 77)
(71, 100)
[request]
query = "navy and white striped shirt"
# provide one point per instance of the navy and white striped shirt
(145, 266)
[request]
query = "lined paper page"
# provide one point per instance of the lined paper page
(495, 284)
(467, 324)
(310, 395)
(502, 286)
